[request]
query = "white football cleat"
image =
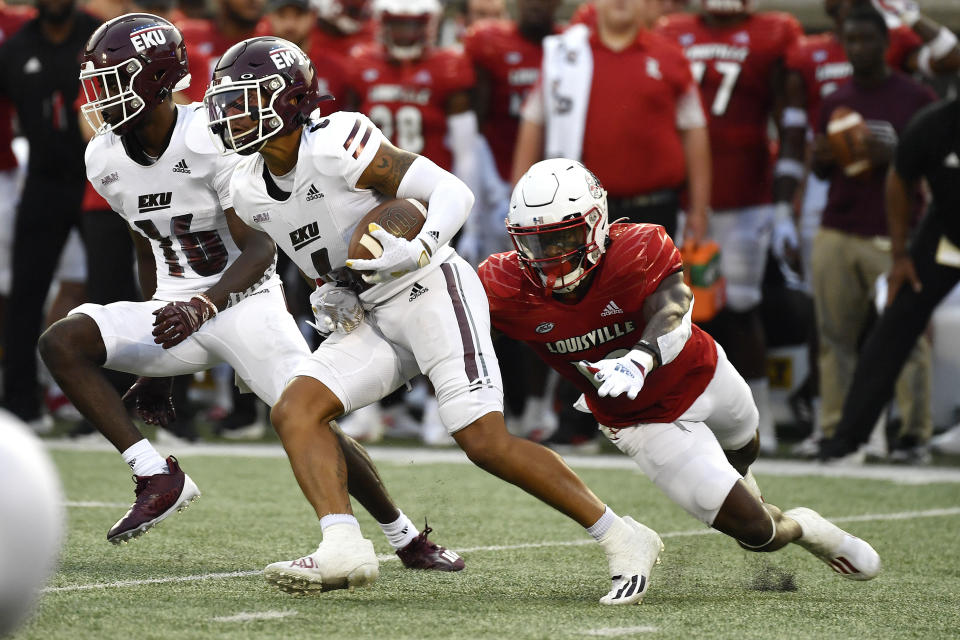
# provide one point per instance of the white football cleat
(848, 555)
(343, 564)
(631, 564)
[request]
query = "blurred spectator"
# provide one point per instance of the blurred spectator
(11, 19)
(816, 66)
(852, 249)
(921, 276)
(622, 100)
(39, 74)
(586, 13)
(235, 20)
(737, 58)
(506, 57)
(478, 10)
(326, 45)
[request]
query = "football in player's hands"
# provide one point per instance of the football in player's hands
(401, 218)
(847, 135)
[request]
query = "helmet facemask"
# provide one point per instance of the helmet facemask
(406, 37)
(111, 99)
(229, 103)
(560, 254)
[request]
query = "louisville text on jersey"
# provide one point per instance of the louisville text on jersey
(592, 339)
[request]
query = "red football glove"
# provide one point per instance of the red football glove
(151, 397)
(177, 321)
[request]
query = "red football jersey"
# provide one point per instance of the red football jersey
(11, 19)
(822, 62)
(734, 66)
(513, 64)
(331, 57)
(607, 322)
(408, 100)
(206, 39)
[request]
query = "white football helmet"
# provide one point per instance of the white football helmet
(558, 223)
(407, 27)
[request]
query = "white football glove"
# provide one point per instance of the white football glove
(399, 257)
(784, 233)
(619, 375)
(335, 309)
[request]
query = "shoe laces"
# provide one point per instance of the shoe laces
(422, 540)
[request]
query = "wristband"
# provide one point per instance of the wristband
(213, 307)
(789, 168)
(651, 349)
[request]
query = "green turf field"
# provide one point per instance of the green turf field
(530, 572)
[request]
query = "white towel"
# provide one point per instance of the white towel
(567, 77)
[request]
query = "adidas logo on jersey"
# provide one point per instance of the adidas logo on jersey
(181, 167)
(417, 291)
(313, 193)
(611, 309)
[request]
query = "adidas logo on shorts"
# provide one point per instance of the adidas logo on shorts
(611, 309)
(313, 193)
(417, 291)
(181, 167)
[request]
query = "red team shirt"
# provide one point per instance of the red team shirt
(638, 88)
(822, 62)
(513, 64)
(11, 19)
(408, 100)
(608, 319)
(734, 66)
(331, 57)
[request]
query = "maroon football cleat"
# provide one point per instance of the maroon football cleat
(423, 554)
(158, 496)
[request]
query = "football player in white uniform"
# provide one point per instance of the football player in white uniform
(210, 283)
(419, 307)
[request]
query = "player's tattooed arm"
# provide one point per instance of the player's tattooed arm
(146, 265)
(386, 170)
(665, 313)
(257, 251)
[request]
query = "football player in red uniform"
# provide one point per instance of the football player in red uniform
(417, 94)
(607, 308)
(737, 57)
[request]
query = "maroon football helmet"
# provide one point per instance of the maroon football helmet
(129, 66)
(262, 87)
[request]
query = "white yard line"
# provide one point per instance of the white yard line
(613, 632)
(247, 616)
(421, 455)
(875, 517)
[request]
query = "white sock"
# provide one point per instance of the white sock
(144, 459)
(400, 532)
(760, 390)
(340, 525)
(600, 528)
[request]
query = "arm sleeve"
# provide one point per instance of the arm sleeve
(448, 200)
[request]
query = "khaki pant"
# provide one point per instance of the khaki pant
(845, 269)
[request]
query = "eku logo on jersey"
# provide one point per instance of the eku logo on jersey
(149, 36)
(154, 201)
(304, 235)
(286, 57)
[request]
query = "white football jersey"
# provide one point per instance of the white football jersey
(314, 224)
(177, 203)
